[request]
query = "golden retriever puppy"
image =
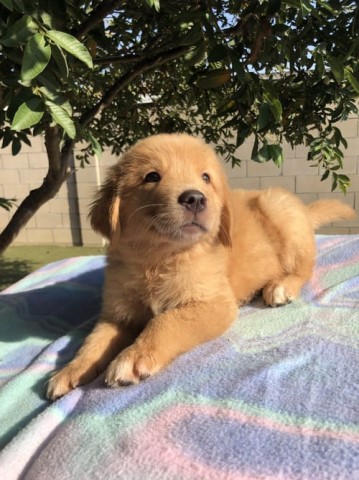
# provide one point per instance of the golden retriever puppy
(184, 252)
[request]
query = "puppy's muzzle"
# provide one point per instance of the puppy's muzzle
(193, 200)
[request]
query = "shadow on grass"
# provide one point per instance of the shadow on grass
(12, 271)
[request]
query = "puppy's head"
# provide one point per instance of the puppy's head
(171, 189)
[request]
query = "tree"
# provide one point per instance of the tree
(109, 72)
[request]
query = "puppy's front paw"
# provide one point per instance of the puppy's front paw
(131, 366)
(70, 377)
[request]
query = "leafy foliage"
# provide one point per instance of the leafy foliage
(110, 72)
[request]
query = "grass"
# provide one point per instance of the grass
(19, 261)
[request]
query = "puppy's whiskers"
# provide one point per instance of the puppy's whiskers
(225, 232)
(146, 206)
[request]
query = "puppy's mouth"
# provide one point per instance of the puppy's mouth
(193, 227)
(187, 231)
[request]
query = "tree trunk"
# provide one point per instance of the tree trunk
(57, 174)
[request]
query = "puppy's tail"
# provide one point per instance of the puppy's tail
(326, 211)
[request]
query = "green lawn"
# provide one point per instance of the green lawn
(17, 262)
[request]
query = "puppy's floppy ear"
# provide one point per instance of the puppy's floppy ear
(105, 210)
(225, 227)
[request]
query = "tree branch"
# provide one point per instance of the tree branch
(96, 16)
(57, 173)
(123, 81)
(124, 59)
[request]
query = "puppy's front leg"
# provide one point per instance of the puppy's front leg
(168, 335)
(100, 347)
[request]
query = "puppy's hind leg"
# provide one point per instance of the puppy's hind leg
(286, 222)
(283, 291)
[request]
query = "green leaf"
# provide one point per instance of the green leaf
(325, 175)
(276, 154)
(71, 45)
(336, 67)
(7, 4)
(36, 57)
(214, 78)
(264, 117)
(61, 117)
(154, 3)
(276, 109)
(7, 203)
(95, 146)
(196, 54)
(60, 60)
(263, 155)
(352, 80)
(28, 114)
(15, 146)
(57, 98)
(20, 5)
(19, 32)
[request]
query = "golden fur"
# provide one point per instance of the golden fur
(184, 252)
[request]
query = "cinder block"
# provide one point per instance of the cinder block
(48, 220)
(5, 217)
(288, 151)
(236, 171)
(89, 238)
(33, 176)
(22, 238)
(64, 236)
(348, 198)
(19, 161)
(350, 164)
(37, 145)
(85, 221)
(11, 177)
(306, 184)
(84, 205)
(16, 191)
(301, 151)
(38, 160)
(87, 190)
(58, 205)
(87, 175)
(42, 236)
(299, 166)
(107, 159)
(354, 183)
(244, 152)
(245, 183)
(349, 128)
(70, 220)
(353, 147)
(307, 197)
(267, 169)
(283, 182)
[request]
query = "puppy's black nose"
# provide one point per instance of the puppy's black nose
(193, 200)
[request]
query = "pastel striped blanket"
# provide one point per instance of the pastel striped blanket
(276, 397)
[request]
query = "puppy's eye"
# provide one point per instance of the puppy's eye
(206, 177)
(152, 177)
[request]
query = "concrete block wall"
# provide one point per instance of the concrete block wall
(64, 221)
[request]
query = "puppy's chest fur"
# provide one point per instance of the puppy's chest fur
(167, 285)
